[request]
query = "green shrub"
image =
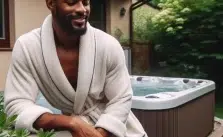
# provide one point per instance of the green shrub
(140, 18)
(7, 125)
(186, 33)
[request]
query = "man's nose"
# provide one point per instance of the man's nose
(80, 8)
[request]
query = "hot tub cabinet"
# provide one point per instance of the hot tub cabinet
(187, 113)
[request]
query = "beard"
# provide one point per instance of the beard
(65, 22)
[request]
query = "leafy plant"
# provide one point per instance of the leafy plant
(15, 133)
(1, 102)
(42, 133)
(7, 125)
(175, 13)
(140, 21)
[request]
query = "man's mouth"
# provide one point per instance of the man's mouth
(79, 21)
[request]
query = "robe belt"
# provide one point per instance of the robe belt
(84, 115)
(87, 111)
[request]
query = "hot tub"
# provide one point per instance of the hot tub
(174, 107)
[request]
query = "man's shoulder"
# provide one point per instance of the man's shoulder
(27, 44)
(30, 38)
(108, 44)
(105, 38)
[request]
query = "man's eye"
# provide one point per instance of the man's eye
(71, 2)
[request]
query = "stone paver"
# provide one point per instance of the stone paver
(218, 128)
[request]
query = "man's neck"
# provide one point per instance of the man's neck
(62, 39)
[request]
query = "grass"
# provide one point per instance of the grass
(219, 110)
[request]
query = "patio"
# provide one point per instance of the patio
(218, 128)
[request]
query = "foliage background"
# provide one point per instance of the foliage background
(187, 38)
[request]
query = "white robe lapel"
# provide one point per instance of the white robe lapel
(52, 61)
(86, 68)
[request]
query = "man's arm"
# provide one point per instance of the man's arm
(74, 124)
(21, 90)
(117, 90)
(104, 132)
(49, 121)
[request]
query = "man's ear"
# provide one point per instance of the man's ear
(51, 4)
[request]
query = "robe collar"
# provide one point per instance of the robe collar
(87, 51)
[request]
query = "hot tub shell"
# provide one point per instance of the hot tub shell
(188, 114)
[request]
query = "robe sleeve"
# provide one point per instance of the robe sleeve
(118, 91)
(21, 90)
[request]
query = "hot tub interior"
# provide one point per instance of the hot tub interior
(143, 86)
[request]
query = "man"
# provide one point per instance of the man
(79, 69)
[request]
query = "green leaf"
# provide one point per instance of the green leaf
(22, 133)
(185, 45)
(194, 54)
(217, 56)
(10, 121)
(12, 133)
(42, 133)
(3, 119)
(211, 26)
(1, 102)
(200, 57)
(218, 13)
(5, 133)
(209, 42)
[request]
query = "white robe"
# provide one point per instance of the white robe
(102, 73)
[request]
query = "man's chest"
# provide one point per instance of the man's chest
(69, 63)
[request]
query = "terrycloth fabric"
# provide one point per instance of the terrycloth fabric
(103, 95)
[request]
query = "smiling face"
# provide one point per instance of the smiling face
(71, 15)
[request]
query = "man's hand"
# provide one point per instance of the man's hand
(76, 126)
(103, 132)
(82, 129)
